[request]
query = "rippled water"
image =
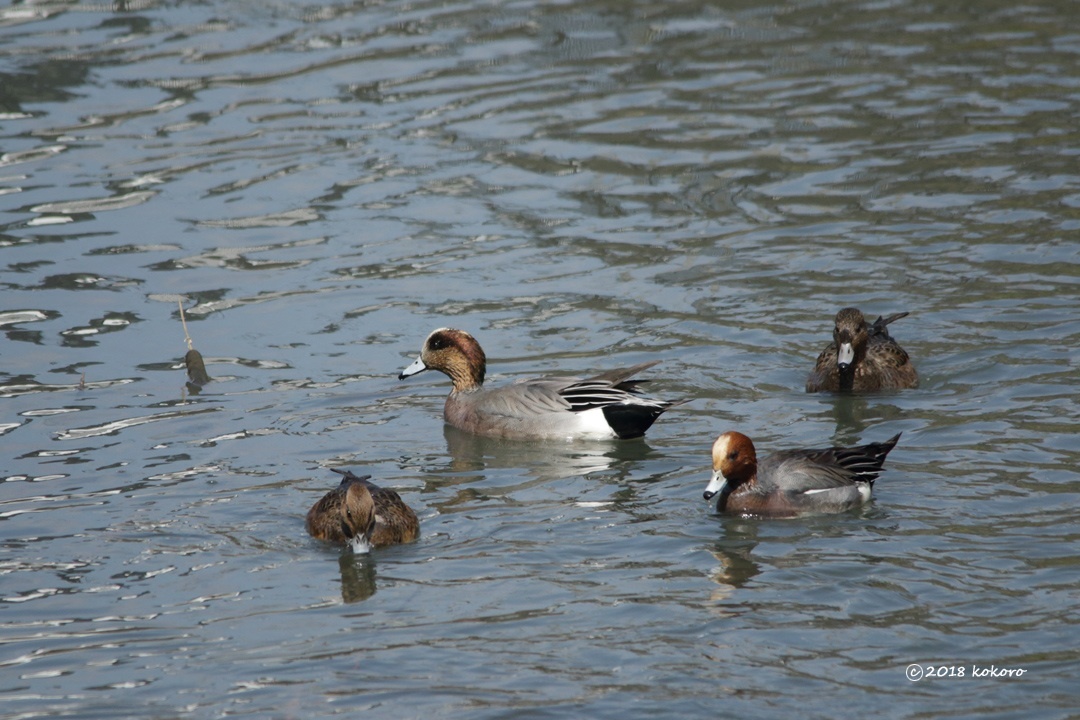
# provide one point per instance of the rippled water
(581, 186)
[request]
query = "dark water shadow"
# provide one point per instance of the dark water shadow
(740, 536)
(542, 460)
(854, 414)
(357, 576)
(733, 550)
(484, 467)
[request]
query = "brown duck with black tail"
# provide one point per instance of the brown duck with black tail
(363, 515)
(862, 357)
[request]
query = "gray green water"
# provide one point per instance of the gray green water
(580, 185)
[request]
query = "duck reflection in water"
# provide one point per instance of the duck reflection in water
(735, 569)
(357, 577)
(542, 461)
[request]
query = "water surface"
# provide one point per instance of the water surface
(581, 186)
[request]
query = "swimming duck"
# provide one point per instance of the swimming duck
(862, 357)
(793, 482)
(362, 514)
(608, 405)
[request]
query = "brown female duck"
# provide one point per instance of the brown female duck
(362, 514)
(862, 357)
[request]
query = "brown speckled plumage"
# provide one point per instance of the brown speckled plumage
(360, 508)
(878, 362)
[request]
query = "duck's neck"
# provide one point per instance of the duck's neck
(466, 383)
(466, 377)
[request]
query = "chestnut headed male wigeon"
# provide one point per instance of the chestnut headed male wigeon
(792, 482)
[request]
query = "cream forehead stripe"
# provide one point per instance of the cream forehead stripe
(720, 447)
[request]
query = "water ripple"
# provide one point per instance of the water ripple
(115, 426)
(581, 186)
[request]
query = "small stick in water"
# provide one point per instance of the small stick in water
(196, 368)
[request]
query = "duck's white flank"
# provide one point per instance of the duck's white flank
(592, 422)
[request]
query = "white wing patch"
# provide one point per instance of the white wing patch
(864, 489)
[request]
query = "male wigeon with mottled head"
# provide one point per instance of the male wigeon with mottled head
(609, 405)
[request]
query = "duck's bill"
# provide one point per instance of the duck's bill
(716, 484)
(417, 366)
(845, 356)
(360, 545)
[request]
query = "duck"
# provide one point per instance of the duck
(362, 515)
(792, 482)
(862, 357)
(609, 405)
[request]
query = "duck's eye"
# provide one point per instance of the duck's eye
(438, 343)
(733, 454)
